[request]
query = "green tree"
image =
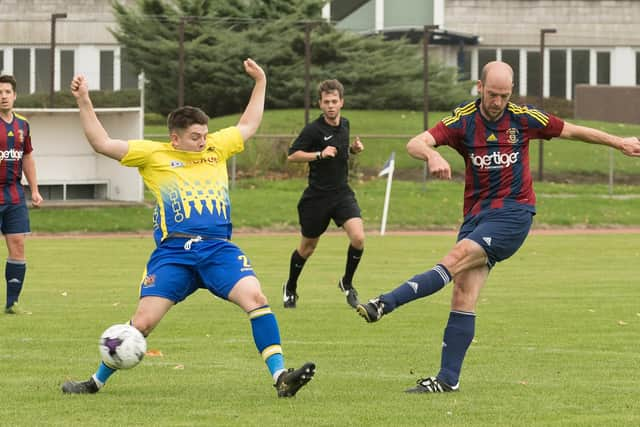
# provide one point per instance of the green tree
(219, 34)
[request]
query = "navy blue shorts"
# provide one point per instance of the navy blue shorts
(500, 232)
(317, 209)
(14, 219)
(175, 272)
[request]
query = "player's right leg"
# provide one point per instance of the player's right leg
(465, 254)
(148, 314)
(166, 281)
(15, 223)
(314, 218)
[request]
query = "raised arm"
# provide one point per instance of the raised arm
(422, 147)
(93, 129)
(252, 116)
(629, 146)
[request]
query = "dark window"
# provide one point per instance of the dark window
(464, 65)
(106, 70)
(67, 66)
(43, 70)
(558, 73)
(22, 69)
(533, 74)
(579, 69)
(512, 57)
(2, 70)
(638, 68)
(603, 64)
(128, 73)
(485, 56)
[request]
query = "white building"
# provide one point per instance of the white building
(83, 44)
(596, 42)
(67, 166)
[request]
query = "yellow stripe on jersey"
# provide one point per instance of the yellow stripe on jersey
(270, 351)
(459, 112)
(259, 312)
(20, 116)
(536, 114)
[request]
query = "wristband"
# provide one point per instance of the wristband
(319, 155)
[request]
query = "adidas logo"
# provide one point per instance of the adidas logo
(413, 285)
(487, 240)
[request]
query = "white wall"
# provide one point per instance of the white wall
(63, 155)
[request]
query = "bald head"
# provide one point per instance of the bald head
(497, 71)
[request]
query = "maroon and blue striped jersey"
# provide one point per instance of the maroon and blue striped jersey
(496, 154)
(15, 142)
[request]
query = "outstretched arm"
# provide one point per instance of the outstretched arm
(629, 146)
(252, 116)
(422, 147)
(93, 129)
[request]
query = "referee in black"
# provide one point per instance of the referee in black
(325, 145)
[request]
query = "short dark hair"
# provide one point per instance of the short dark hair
(6, 78)
(330, 86)
(183, 117)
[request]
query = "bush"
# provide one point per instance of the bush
(101, 99)
(557, 106)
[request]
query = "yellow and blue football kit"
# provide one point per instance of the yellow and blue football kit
(192, 219)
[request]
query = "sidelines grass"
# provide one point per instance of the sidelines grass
(437, 205)
(556, 341)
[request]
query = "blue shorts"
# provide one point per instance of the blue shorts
(14, 219)
(500, 232)
(174, 272)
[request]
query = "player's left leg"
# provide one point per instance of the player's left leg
(458, 333)
(355, 231)
(247, 294)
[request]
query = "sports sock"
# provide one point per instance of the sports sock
(102, 374)
(457, 338)
(419, 286)
(353, 259)
(266, 336)
(295, 268)
(14, 272)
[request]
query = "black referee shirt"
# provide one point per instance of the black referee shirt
(328, 174)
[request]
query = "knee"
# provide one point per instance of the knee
(358, 242)
(306, 251)
(143, 324)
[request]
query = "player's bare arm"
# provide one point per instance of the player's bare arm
(629, 146)
(29, 169)
(305, 156)
(252, 116)
(93, 129)
(422, 147)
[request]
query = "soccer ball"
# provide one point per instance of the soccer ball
(122, 346)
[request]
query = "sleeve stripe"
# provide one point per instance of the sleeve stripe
(536, 114)
(459, 112)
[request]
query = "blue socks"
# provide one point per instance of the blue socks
(103, 373)
(266, 336)
(14, 272)
(457, 338)
(418, 286)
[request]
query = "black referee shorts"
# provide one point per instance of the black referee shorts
(316, 209)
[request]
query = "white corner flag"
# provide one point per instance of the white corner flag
(387, 169)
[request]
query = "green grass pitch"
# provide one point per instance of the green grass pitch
(556, 340)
